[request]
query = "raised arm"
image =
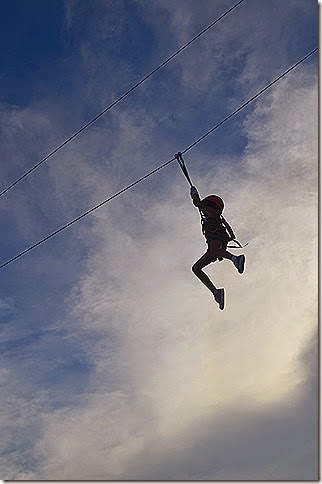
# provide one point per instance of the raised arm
(195, 197)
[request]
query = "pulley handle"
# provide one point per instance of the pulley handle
(183, 167)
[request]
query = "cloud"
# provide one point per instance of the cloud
(242, 441)
(121, 366)
(177, 388)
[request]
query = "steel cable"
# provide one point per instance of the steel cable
(119, 99)
(163, 165)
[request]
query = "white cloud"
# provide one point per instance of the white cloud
(169, 366)
(177, 386)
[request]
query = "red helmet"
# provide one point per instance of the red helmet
(215, 202)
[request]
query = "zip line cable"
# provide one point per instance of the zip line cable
(249, 101)
(119, 99)
(161, 166)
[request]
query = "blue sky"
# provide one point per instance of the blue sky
(110, 347)
(34, 40)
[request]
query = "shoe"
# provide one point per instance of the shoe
(239, 263)
(220, 298)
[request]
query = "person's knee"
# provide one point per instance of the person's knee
(196, 269)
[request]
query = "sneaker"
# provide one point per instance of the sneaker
(220, 298)
(239, 263)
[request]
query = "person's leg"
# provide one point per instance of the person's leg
(204, 260)
(216, 250)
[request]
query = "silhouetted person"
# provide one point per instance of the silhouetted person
(217, 239)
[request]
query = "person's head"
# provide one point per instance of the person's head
(215, 202)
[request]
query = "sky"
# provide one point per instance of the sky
(116, 363)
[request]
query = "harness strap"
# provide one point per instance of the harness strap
(230, 231)
(183, 167)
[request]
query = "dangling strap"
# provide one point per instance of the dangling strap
(232, 236)
(237, 246)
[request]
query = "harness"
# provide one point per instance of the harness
(213, 229)
(220, 229)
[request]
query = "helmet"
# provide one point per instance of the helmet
(215, 202)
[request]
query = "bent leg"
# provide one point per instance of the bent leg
(204, 260)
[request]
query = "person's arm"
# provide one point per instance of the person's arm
(195, 197)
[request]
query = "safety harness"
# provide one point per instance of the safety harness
(209, 229)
